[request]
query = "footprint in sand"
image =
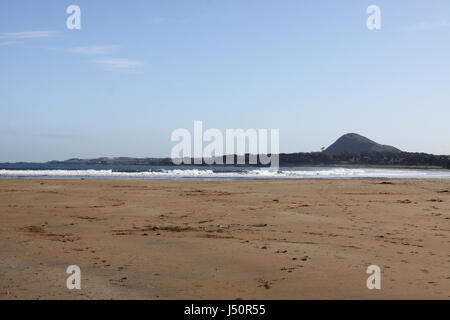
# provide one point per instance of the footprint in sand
(265, 284)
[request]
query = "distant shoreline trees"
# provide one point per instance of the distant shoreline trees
(402, 159)
(374, 158)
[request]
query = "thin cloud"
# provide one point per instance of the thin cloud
(425, 26)
(8, 43)
(29, 34)
(118, 64)
(92, 50)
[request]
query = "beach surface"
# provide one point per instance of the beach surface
(296, 239)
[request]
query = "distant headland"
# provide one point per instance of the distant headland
(350, 149)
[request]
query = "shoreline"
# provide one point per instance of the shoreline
(221, 173)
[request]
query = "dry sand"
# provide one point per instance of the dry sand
(224, 239)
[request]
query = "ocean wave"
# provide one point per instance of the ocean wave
(266, 173)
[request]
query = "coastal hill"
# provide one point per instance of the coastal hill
(353, 143)
(350, 149)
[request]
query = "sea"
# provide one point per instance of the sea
(124, 172)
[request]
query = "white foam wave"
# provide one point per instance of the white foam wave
(302, 173)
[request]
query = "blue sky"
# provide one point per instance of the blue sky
(137, 70)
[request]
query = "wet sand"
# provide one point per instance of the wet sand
(225, 239)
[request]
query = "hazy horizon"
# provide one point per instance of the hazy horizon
(137, 71)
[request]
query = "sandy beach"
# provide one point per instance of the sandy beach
(225, 239)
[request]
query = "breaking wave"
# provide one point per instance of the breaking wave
(266, 173)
